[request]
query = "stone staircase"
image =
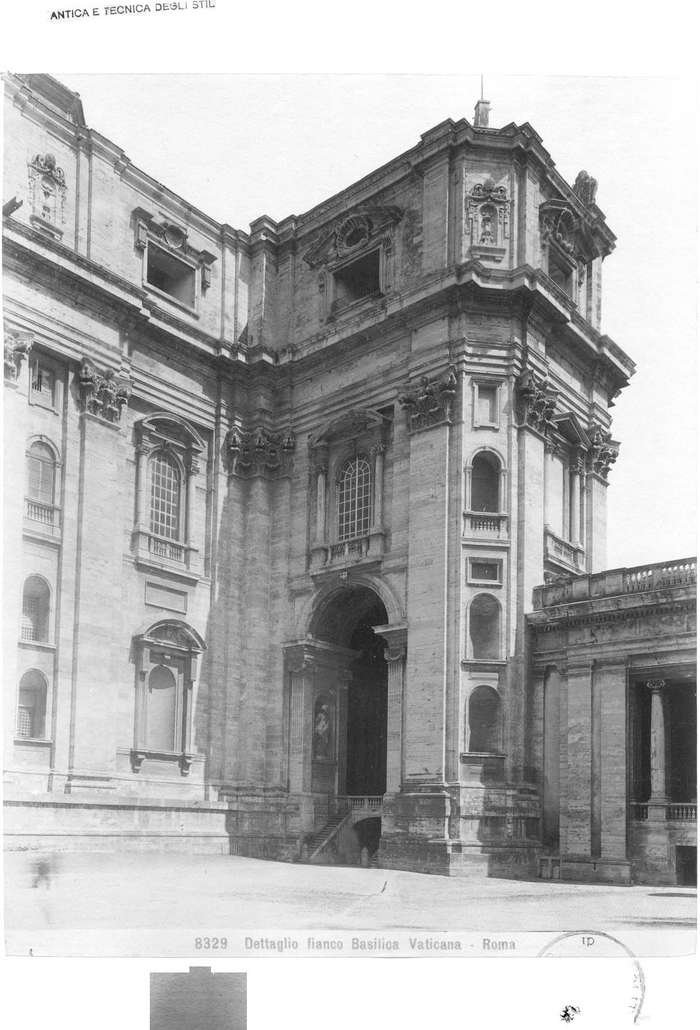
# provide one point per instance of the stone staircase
(324, 836)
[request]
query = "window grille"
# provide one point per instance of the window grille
(165, 497)
(354, 499)
(25, 722)
(30, 618)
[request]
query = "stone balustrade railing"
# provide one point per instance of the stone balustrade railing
(613, 582)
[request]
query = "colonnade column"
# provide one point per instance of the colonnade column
(659, 798)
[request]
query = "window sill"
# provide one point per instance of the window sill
(37, 645)
(183, 759)
(34, 742)
(162, 295)
(484, 662)
(341, 307)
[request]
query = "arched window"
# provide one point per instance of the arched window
(166, 669)
(31, 706)
(484, 721)
(41, 473)
(162, 710)
(35, 610)
(166, 484)
(485, 483)
(485, 627)
(354, 499)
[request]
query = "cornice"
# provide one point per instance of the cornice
(54, 260)
(549, 621)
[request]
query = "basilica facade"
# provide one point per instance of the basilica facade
(278, 505)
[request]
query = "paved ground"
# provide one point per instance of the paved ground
(62, 898)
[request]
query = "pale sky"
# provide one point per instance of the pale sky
(242, 146)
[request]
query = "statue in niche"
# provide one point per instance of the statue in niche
(486, 230)
(323, 725)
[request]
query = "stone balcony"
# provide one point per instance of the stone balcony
(485, 524)
(335, 556)
(616, 582)
(570, 557)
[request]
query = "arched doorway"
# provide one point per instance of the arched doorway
(347, 620)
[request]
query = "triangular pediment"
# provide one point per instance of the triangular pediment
(571, 429)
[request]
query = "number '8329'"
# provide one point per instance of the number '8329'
(210, 943)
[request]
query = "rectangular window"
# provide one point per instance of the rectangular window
(486, 404)
(170, 275)
(358, 280)
(484, 570)
(42, 384)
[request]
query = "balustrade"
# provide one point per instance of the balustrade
(686, 813)
(555, 547)
(166, 549)
(661, 575)
(677, 812)
(46, 514)
(485, 524)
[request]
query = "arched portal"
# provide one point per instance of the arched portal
(350, 702)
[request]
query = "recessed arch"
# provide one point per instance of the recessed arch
(31, 705)
(484, 720)
(485, 484)
(312, 612)
(36, 609)
(484, 632)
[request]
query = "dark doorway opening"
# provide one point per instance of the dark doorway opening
(367, 708)
(686, 865)
(368, 832)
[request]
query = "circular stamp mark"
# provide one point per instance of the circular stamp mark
(595, 944)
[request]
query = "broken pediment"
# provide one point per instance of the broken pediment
(352, 233)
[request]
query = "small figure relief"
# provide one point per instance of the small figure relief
(17, 347)
(537, 401)
(47, 191)
(488, 218)
(604, 452)
(323, 730)
(486, 236)
(431, 403)
(100, 393)
(586, 187)
(259, 453)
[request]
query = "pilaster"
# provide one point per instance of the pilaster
(96, 665)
